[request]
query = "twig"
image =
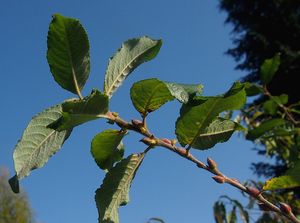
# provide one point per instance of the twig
(211, 166)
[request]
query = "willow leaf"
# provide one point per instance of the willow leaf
(289, 180)
(184, 92)
(107, 148)
(114, 191)
(150, 94)
(269, 68)
(220, 130)
(219, 212)
(68, 53)
(265, 127)
(132, 53)
(79, 111)
(38, 143)
(196, 116)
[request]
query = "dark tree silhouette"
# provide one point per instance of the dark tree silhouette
(261, 29)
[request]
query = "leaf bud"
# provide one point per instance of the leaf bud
(115, 114)
(254, 192)
(137, 123)
(148, 141)
(211, 164)
(168, 141)
(285, 208)
(173, 142)
(219, 179)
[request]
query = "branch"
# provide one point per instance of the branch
(151, 141)
(283, 108)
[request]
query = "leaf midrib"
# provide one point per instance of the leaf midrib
(108, 92)
(216, 133)
(200, 128)
(150, 98)
(37, 148)
(74, 76)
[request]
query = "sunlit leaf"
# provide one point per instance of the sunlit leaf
(68, 53)
(220, 130)
(107, 148)
(195, 117)
(150, 94)
(289, 180)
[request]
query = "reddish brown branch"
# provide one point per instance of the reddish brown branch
(151, 141)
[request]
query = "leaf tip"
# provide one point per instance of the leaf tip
(14, 184)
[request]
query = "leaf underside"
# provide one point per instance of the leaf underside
(114, 191)
(220, 130)
(68, 53)
(132, 53)
(79, 111)
(38, 143)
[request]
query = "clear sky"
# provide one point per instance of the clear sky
(166, 185)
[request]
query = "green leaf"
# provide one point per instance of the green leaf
(79, 111)
(38, 143)
(270, 107)
(243, 213)
(220, 130)
(232, 218)
(280, 100)
(196, 116)
(289, 180)
(269, 68)
(252, 89)
(264, 127)
(150, 94)
(132, 53)
(184, 92)
(68, 53)
(114, 191)
(107, 148)
(220, 212)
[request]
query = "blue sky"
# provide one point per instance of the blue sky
(166, 185)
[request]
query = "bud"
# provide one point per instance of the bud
(115, 114)
(254, 192)
(211, 164)
(285, 208)
(137, 122)
(219, 179)
(168, 141)
(148, 141)
(173, 142)
(263, 207)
